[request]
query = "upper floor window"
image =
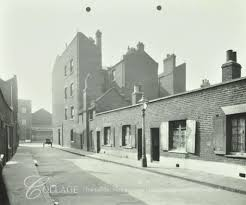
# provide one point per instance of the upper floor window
(71, 89)
(65, 113)
(23, 109)
(65, 93)
(113, 75)
(23, 122)
(72, 112)
(91, 114)
(81, 118)
(65, 71)
(71, 65)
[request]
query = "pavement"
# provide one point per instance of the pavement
(70, 176)
(14, 174)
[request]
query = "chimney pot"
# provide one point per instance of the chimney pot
(229, 55)
(140, 46)
(234, 56)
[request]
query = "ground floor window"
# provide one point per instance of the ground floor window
(126, 135)
(238, 137)
(107, 135)
(177, 137)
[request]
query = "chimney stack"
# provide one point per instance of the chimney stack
(169, 63)
(140, 46)
(205, 83)
(99, 45)
(231, 69)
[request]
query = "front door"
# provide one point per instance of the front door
(98, 141)
(155, 144)
(140, 144)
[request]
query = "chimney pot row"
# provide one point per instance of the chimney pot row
(231, 55)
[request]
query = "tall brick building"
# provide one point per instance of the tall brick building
(81, 87)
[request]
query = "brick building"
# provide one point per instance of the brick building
(80, 87)
(33, 127)
(25, 119)
(202, 129)
(41, 126)
(191, 128)
(9, 139)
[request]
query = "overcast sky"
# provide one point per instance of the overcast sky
(33, 32)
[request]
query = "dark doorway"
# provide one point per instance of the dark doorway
(140, 144)
(155, 144)
(59, 136)
(98, 142)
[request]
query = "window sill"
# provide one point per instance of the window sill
(107, 145)
(177, 151)
(239, 155)
(128, 147)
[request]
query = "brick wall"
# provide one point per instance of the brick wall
(200, 105)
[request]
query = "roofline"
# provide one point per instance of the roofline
(111, 67)
(176, 95)
(108, 91)
(42, 109)
(4, 100)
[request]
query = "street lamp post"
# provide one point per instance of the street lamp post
(144, 107)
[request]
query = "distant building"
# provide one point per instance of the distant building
(25, 119)
(9, 138)
(173, 79)
(41, 126)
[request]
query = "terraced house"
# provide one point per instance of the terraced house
(202, 129)
(9, 139)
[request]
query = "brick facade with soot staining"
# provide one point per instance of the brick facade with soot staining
(9, 136)
(202, 106)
